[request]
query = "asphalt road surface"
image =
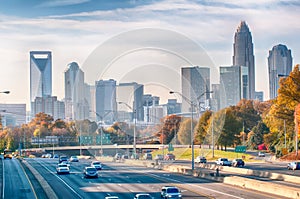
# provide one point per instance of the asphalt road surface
(125, 181)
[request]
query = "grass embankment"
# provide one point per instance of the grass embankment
(186, 154)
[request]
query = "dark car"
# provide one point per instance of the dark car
(90, 172)
(238, 162)
(200, 159)
(170, 156)
(63, 159)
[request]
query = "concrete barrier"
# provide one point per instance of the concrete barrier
(266, 187)
(262, 186)
(48, 190)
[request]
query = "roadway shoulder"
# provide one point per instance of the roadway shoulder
(47, 188)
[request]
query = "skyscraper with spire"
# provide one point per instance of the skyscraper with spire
(243, 55)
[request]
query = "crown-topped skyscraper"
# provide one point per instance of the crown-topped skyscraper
(243, 56)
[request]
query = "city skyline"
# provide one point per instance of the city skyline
(72, 30)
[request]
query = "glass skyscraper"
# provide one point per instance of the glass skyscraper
(280, 63)
(40, 74)
(243, 55)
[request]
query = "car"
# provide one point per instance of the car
(55, 156)
(74, 158)
(159, 157)
(90, 172)
(293, 166)
(111, 197)
(170, 192)
(62, 159)
(261, 154)
(200, 159)
(147, 156)
(97, 165)
(62, 168)
(117, 156)
(143, 196)
(238, 162)
(169, 156)
(223, 162)
(48, 155)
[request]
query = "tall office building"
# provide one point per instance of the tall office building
(106, 104)
(195, 83)
(132, 95)
(280, 63)
(49, 105)
(40, 74)
(233, 85)
(76, 98)
(243, 55)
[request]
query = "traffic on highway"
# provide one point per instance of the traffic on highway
(108, 179)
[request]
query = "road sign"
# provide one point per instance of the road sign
(170, 148)
(240, 149)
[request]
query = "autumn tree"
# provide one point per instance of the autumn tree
(202, 127)
(184, 133)
(169, 129)
(282, 111)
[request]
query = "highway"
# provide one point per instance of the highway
(15, 181)
(125, 181)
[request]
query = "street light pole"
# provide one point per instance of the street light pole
(134, 127)
(192, 136)
(192, 130)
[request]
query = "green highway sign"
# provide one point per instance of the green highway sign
(170, 148)
(240, 149)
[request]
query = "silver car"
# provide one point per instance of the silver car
(90, 172)
(170, 192)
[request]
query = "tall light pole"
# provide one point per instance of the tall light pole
(192, 118)
(191, 132)
(134, 127)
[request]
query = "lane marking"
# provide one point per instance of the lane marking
(59, 179)
(28, 180)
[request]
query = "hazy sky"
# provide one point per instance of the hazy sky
(127, 40)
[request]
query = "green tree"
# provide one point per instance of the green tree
(230, 131)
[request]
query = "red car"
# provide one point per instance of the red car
(170, 156)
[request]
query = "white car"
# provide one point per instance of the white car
(170, 192)
(74, 158)
(97, 165)
(223, 162)
(143, 196)
(261, 154)
(62, 168)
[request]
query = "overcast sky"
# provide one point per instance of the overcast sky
(127, 40)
